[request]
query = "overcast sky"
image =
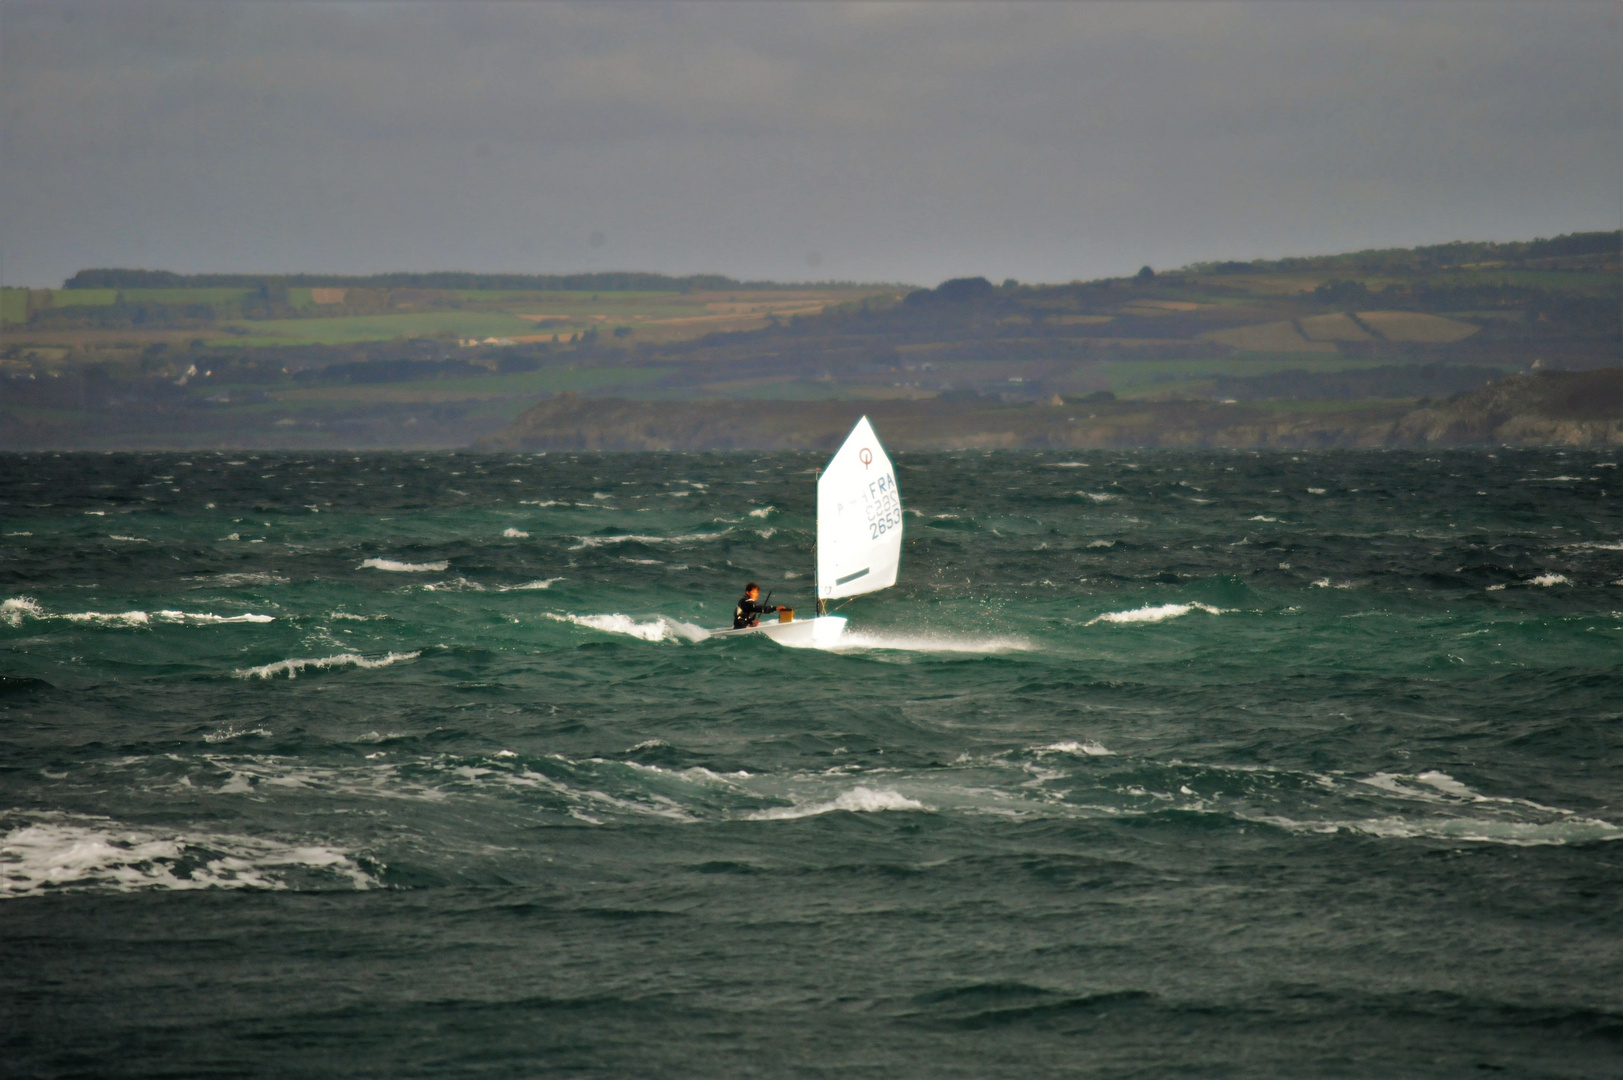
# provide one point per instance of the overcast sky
(874, 142)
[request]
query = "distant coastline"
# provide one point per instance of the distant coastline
(1372, 348)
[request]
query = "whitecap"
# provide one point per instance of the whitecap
(13, 610)
(1463, 829)
(226, 581)
(102, 618)
(232, 733)
(1546, 580)
(63, 851)
(403, 567)
(128, 539)
(659, 628)
(291, 668)
(1315, 491)
(1069, 465)
(515, 534)
(203, 618)
(1087, 749)
(457, 584)
(1262, 517)
(1101, 543)
(762, 512)
(1153, 613)
(859, 800)
(1097, 496)
(543, 583)
(637, 538)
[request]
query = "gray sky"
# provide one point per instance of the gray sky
(909, 142)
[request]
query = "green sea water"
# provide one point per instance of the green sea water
(1151, 764)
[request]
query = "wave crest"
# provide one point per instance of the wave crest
(403, 567)
(62, 852)
(859, 800)
(1152, 613)
(291, 668)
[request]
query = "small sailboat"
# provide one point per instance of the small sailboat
(859, 539)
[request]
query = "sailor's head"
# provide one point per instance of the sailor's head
(752, 590)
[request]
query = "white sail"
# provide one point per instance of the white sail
(859, 518)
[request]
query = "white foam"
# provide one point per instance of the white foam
(859, 800)
(232, 733)
(544, 583)
(542, 502)
(203, 618)
(762, 512)
(128, 539)
(1153, 613)
(226, 581)
(1101, 543)
(15, 609)
(403, 567)
(457, 584)
(928, 643)
(1597, 545)
(600, 541)
(1069, 465)
(291, 668)
(515, 534)
(1315, 491)
(1546, 580)
(1447, 784)
(1097, 496)
(659, 628)
(1464, 829)
(61, 851)
(1087, 749)
(104, 618)
(1261, 517)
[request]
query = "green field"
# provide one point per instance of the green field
(13, 305)
(83, 297)
(1141, 378)
(179, 296)
(348, 329)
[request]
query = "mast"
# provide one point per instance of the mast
(817, 579)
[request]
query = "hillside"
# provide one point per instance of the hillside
(1297, 345)
(1554, 409)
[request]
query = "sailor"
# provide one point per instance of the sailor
(750, 609)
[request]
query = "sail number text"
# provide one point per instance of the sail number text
(884, 508)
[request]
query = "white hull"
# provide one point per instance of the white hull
(819, 633)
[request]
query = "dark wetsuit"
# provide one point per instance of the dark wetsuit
(749, 612)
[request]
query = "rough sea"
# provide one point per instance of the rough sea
(1153, 764)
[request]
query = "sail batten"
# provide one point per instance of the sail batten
(859, 518)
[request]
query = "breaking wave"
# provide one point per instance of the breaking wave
(859, 800)
(1153, 613)
(291, 668)
(63, 851)
(587, 542)
(14, 610)
(403, 567)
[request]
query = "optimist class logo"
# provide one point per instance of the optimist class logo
(866, 457)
